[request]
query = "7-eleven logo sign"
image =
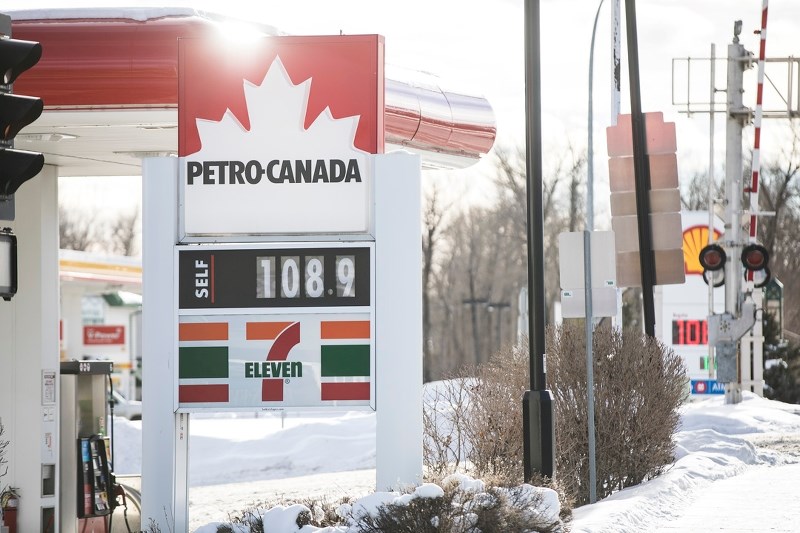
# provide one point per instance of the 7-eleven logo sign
(246, 361)
(276, 368)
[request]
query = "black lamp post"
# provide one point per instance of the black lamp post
(537, 404)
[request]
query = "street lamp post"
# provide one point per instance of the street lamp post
(587, 271)
(590, 146)
(538, 424)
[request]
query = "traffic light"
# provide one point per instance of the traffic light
(16, 112)
(712, 259)
(754, 260)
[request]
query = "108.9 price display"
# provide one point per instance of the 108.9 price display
(304, 276)
(213, 278)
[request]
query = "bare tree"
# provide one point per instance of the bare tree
(433, 220)
(85, 230)
(124, 232)
(780, 194)
(575, 168)
(694, 196)
(483, 261)
(77, 230)
(557, 217)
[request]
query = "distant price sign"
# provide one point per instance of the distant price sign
(103, 335)
(689, 332)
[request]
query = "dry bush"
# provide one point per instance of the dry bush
(466, 420)
(639, 385)
(494, 424)
(445, 443)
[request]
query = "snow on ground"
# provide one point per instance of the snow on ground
(751, 449)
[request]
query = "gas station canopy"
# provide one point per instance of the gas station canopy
(109, 81)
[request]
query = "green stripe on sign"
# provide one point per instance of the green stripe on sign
(203, 362)
(345, 360)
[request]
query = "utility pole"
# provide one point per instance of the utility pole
(733, 261)
(737, 115)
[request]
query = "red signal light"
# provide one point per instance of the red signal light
(712, 257)
(755, 257)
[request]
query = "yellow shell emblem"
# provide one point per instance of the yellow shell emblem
(694, 239)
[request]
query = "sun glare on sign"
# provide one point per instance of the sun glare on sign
(239, 32)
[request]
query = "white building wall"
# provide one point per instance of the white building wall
(29, 346)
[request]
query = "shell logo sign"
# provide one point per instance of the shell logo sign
(694, 239)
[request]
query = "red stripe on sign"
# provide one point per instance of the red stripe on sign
(344, 329)
(265, 331)
(345, 391)
(202, 393)
(203, 331)
(272, 390)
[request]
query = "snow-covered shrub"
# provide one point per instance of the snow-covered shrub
(475, 421)
(464, 506)
(458, 504)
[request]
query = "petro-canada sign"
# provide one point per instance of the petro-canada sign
(271, 145)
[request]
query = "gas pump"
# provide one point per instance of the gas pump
(87, 484)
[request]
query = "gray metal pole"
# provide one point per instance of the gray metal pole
(616, 81)
(711, 193)
(590, 142)
(589, 322)
(737, 114)
(587, 271)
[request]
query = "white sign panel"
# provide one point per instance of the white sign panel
(269, 326)
(268, 362)
(278, 177)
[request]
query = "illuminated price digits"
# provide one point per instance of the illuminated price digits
(290, 277)
(689, 332)
(265, 278)
(345, 276)
(315, 287)
(307, 276)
